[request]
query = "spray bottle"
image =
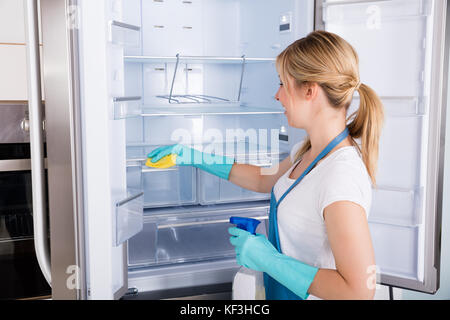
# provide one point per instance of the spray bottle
(247, 284)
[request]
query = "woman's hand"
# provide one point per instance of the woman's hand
(168, 156)
(251, 250)
(182, 154)
(257, 253)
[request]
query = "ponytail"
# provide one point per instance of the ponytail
(366, 124)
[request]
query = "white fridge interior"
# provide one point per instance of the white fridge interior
(161, 72)
(189, 72)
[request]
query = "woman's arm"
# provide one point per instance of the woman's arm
(256, 178)
(349, 237)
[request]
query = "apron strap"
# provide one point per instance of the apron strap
(344, 134)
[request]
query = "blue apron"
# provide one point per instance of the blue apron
(275, 290)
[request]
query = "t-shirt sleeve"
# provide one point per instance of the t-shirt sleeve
(294, 151)
(344, 184)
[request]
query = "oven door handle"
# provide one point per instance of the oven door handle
(37, 138)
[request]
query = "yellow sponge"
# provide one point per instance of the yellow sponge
(166, 162)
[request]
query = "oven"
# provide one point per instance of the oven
(21, 277)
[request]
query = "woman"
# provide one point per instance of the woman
(319, 241)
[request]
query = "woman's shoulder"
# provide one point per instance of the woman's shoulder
(345, 178)
(347, 164)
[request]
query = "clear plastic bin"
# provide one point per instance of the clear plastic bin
(129, 216)
(396, 249)
(213, 190)
(174, 186)
(187, 235)
(125, 34)
(397, 206)
(169, 187)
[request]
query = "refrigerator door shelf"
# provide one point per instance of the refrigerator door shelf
(127, 107)
(397, 206)
(398, 106)
(129, 216)
(396, 250)
(124, 34)
(172, 238)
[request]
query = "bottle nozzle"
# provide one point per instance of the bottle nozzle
(247, 224)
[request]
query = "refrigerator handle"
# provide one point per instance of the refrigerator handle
(36, 138)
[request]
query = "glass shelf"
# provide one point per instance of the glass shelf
(132, 108)
(209, 110)
(196, 59)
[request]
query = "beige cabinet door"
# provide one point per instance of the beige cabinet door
(13, 64)
(12, 28)
(13, 75)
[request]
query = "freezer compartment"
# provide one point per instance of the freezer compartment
(177, 235)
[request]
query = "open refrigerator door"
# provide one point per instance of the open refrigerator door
(401, 49)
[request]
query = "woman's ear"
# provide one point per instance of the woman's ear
(311, 90)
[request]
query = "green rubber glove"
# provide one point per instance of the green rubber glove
(217, 165)
(257, 253)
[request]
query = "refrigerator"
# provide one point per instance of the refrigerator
(122, 77)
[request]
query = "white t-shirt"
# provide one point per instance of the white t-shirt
(302, 231)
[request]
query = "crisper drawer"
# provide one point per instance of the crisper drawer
(213, 190)
(169, 187)
(163, 187)
(187, 236)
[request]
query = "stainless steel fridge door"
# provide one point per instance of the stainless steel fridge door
(403, 55)
(60, 62)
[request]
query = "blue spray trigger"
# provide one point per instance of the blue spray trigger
(247, 224)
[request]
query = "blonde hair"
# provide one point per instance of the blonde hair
(331, 62)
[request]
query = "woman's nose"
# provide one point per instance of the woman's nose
(277, 97)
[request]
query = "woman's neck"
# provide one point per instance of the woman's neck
(322, 133)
